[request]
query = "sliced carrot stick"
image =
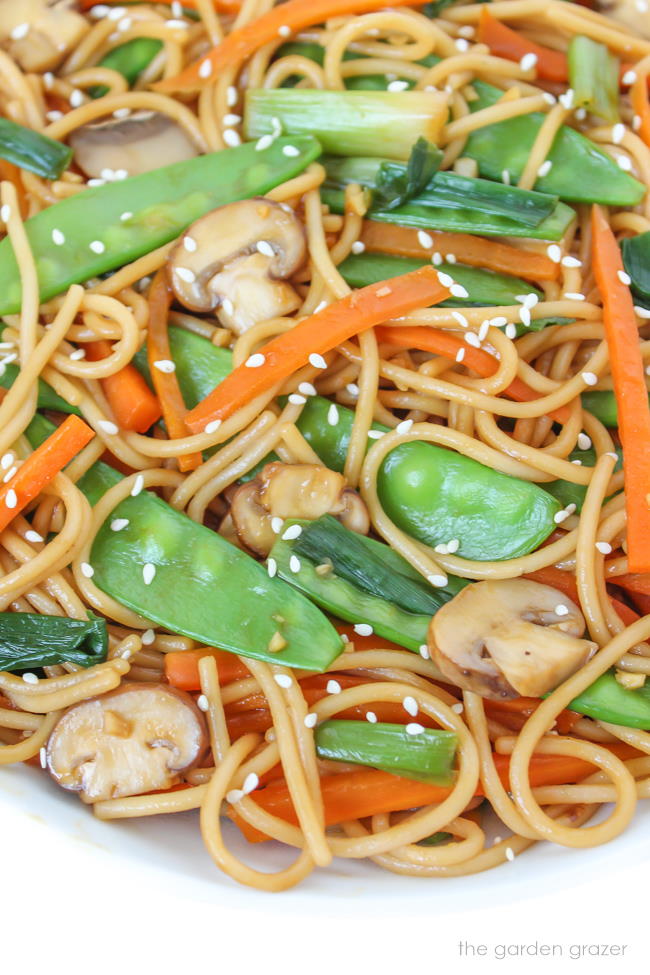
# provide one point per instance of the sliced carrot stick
(388, 238)
(182, 667)
(634, 582)
(446, 344)
(241, 44)
(641, 106)
(642, 602)
(622, 334)
(42, 466)
(133, 404)
(319, 333)
(166, 383)
(558, 579)
(507, 43)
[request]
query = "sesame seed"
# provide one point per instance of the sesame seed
(19, 31)
(438, 580)
(30, 678)
(629, 77)
(460, 355)
(282, 680)
(42, 757)
(87, 570)
(333, 687)
(284, 30)
(375, 434)
(637, 122)
(383, 292)
(413, 728)
(148, 573)
(460, 318)
(484, 328)
(264, 142)
(458, 291)
(624, 163)
(453, 545)
(176, 23)
(277, 525)
(505, 177)
(148, 637)
(566, 99)
(124, 24)
(618, 133)
(231, 96)
(272, 568)
(528, 62)
(436, 258)
(293, 531)
(410, 705)
(561, 610)
(404, 426)
(97, 247)
(554, 252)
(317, 361)
(510, 854)
(549, 98)
(11, 499)
(235, 795)
(77, 98)
(186, 274)
(10, 473)
(590, 378)
(5, 213)
(584, 441)
(231, 138)
(307, 389)
(32, 536)
(202, 703)
(363, 629)
(126, 216)
(358, 247)
(212, 426)
(524, 316)
(624, 277)
(642, 312)
(425, 239)
(545, 168)
(472, 339)
(251, 783)
(190, 244)
(291, 151)
(77, 355)
(96, 182)
(165, 365)
(205, 68)
(255, 360)
(424, 651)
(458, 708)
(53, 115)
(333, 415)
(107, 426)
(296, 399)
(138, 484)
(570, 261)
(7, 460)
(295, 564)
(445, 280)
(118, 524)
(58, 237)
(574, 296)
(371, 717)
(265, 248)
(310, 720)
(604, 548)
(461, 44)
(450, 258)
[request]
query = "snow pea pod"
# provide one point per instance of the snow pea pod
(567, 492)
(107, 226)
(607, 700)
(129, 60)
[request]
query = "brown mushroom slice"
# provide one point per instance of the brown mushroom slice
(293, 491)
(136, 144)
(236, 260)
(509, 638)
(38, 35)
(135, 739)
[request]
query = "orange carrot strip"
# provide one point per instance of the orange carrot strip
(558, 579)
(241, 44)
(507, 43)
(446, 344)
(622, 334)
(166, 383)
(634, 582)
(133, 404)
(388, 238)
(182, 667)
(642, 602)
(641, 106)
(42, 466)
(318, 334)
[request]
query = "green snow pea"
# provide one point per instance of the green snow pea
(126, 219)
(581, 172)
(426, 757)
(129, 60)
(567, 492)
(607, 700)
(200, 365)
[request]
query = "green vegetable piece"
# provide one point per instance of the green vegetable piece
(348, 123)
(29, 640)
(32, 151)
(636, 257)
(371, 566)
(134, 216)
(436, 839)
(129, 59)
(567, 492)
(593, 76)
(435, 495)
(200, 365)
(426, 757)
(602, 403)
(607, 700)
(349, 602)
(397, 185)
(47, 398)
(581, 172)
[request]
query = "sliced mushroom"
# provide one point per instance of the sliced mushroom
(135, 144)
(293, 491)
(133, 740)
(628, 13)
(38, 35)
(236, 260)
(509, 638)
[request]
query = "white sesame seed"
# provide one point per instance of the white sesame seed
(578, 463)
(58, 237)
(561, 610)
(165, 365)
(148, 637)
(293, 531)
(291, 151)
(545, 168)
(296, 399)
(451, 258)
(272, 568)
(118, 524)
(458, 291)
(624, 163)
(436, 258)
(333, 687)
(642, 312)
(19, 31)
(584, 441)
(295, 564)
(333, 415)
(124, 24)
(604, 548)
(32, 536)
(376, 434)
(282, 680)
(77, 355)
(410, 705)
(97, 247)
(5, 213)
(460, 318)
(277, 525)
(438, 580)
(317, 361)
(180, 24)
(363, 629)
(397, 85)
(554, 252)
(460, 355)
(126, 216)
(637, 122)
(7, 460)
(590, 378)
(205, 68)
(251, 783)
(413, 728)
(138, 484)
(424, 651)
(404, 426)
(624, 277)
(10, 473)
(629, 77)
(148, 573)
(189, 244)
(255, 360)
(524, 316)
(107, 426)
(87, 570)
(528, 62)
(284, 30)
(461, 44)
(236, 795)
(371, 717)
(549, 98)
(231, 138)
(472, 339)
(458, 708)
(570, 261)
(310, 720)
(618, 133)
(445, 280)
(453, 545)
(484, 328)
(566, 99)
(42, 756)
(212, 426)
(510, 854)
(96, 182)
(30, 678)
(76, 98)
(358, 247)
(265, 248)
(425, 239)
(307, 389)
(202, 703)
(574, 296)
(11, 499)
(264, 142)
(231, 96)
(505, 177)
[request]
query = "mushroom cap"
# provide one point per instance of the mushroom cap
(54, 29)
(136, 144)
(225, 236)
(504, 639)
(132, 740)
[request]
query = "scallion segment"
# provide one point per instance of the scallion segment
(593, 77)
(31, 640)
(32, 151)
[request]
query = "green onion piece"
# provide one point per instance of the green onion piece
(399, 184)
(347, 123)
(427, 756)
(129, 59)
(636, 257)
(593, 76)
(29, 640)
(32, 151)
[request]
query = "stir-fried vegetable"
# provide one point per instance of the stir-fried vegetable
(129, 59)
(607, 700)
(593, 76)
(32, 640)
(427, 756)
(567, 492)
(108, 226)
(133, 404)
(504, 42)
(32, 151)
(636, 258)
